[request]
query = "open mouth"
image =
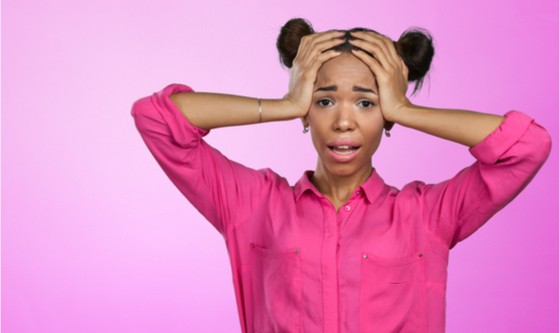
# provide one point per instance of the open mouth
(344, 150)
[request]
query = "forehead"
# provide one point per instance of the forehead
(345, 68)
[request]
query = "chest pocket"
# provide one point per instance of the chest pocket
(277, 290)
(392, 295)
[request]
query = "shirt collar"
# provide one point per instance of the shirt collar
(371, 188)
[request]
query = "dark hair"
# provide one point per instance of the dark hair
(414, 47)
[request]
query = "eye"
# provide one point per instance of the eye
(324, 102)
(364, 103)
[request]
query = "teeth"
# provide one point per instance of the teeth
(343, 150)
(343, 147)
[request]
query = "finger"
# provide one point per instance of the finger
(308, 71)
(316, 58)
(328, 34)
(372, 63)
(322, 46)
(404, 70)
(381, 49)
(385, 43)
(321, 59)
(310, 54)
(321, 36)
(375, 49)
(392, 49)
(374, 38)
(314, 44)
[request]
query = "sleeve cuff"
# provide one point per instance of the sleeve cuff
(181, 129)
(512, 128)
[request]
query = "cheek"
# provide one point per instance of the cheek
(317, 120)
(374, 132)
(372, 123)
(317, 141)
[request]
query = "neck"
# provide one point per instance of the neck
(337, 188)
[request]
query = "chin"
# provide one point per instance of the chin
(344, 170)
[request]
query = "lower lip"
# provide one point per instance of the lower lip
(343, 158)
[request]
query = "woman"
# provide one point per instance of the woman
(341, 251)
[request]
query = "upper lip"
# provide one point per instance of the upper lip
(343, 142)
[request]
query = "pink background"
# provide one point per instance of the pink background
(95, 238)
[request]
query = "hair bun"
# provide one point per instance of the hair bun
(416, 49)
(290, 37)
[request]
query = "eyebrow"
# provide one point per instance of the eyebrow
(327, 88)
(354, 88)
(362, 89)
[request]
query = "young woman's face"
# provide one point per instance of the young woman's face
(345, 119)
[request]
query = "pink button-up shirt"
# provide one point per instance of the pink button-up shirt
(379, 264)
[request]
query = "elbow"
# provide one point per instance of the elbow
(546, 141)
(145, 114)
(142, 107)
(542, 142)
(547, 145)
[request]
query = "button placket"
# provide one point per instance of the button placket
(329, 269)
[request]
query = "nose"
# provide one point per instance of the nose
(345, 119)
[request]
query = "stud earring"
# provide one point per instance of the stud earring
(388, 133)
(305, 129)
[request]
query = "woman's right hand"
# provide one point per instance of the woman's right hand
(209, 110)
(310, 57)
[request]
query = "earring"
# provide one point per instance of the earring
(388, 133)
(305, 129)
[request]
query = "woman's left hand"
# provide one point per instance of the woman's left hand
(389, 69)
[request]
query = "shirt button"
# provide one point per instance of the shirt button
(358, 192)
(365, 256)
(347, 208)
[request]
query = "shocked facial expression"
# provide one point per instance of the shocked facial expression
(345, 119)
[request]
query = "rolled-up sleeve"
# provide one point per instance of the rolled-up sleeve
(222, 190)
(507, 160)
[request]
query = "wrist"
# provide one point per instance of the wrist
(279, 109)
(293, 109)
(399, 114)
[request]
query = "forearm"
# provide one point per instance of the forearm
(465, 127)
(209, 110)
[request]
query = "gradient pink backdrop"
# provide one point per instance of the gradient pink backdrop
(95, 238)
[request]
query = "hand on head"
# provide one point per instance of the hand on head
(313, 51)
(387, 66)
